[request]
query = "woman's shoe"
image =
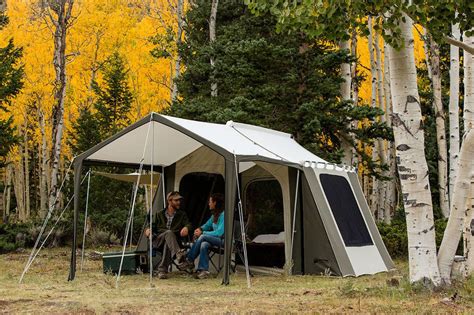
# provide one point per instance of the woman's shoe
(203, 274)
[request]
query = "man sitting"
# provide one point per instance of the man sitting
(169, 224)
(209, 234)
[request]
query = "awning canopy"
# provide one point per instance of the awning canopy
(165, 140)
(145, 179)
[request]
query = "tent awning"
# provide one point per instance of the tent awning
(145, 179)
(166, 139)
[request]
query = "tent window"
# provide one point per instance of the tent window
(346, 211)
(264, 208)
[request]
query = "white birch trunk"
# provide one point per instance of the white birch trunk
(468, 233)
(468, 119)
(468, 115)
(453, 111)
(179, 35)
(411, 160)
(391, 200)
(381, 144)
(462, 188)
(440, 128)
(212, 39)
(61, 24)
(376, 184)
(347, 147)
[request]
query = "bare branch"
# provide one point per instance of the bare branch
(459, 44)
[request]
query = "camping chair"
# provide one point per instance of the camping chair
(237, 249)
(185, 242)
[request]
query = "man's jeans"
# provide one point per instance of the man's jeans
(167, 243)
(201, 248)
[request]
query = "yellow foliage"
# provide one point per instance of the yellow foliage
(101, 27)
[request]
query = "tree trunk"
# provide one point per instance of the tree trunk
(468, 233)
(461, 195)
(212, 39)
(411, 160)
(19, 187)
(43, 186)
(468, 118)
(453, 111)
(382, 147)
(347, 146)
(376, 184)
(440, 127)
(26, 156)
(179, 35)
(62, 9)
(468, 114)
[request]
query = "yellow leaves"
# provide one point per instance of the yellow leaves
(100, 28)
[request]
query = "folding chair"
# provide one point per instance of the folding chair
(237, 249)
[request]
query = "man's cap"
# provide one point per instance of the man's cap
(174, 195)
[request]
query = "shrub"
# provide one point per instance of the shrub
(13, 236)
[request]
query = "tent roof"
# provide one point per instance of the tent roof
(174, 138)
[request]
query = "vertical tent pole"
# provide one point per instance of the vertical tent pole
(150, 249)
(228, 217)
(85, 217)
(293, 229)
(132, 208)
(77, 191)
(163, 183)
(242, 225)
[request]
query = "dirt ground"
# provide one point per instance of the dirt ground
(45, 289)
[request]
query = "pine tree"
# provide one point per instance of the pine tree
(114, 98)
(11, 76)
(109, 199)
(285, 82)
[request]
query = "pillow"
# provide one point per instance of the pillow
(270, 238)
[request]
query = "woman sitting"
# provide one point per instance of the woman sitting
(209, 234)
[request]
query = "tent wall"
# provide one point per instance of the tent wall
(318, 256)
(327, 219)
(351, 230)
(201, 160)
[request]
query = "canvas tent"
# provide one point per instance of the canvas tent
(328, 226)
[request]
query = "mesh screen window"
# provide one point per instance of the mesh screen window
(346, 211)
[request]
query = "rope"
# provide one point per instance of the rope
(85, 217)
(30, 261)
(242, 227)
(45, 222)
(293, 230)
(132, 208)
(257, 144)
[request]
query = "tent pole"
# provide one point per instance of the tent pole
(150, 249)
(293, 229)
(228, 217)
(163, 183)
(242, 224)
(85, 217)
(132, 208)
(77, 191)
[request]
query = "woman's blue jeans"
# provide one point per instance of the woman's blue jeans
(201, 248)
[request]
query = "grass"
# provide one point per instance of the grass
(45, 289)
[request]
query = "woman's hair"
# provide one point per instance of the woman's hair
(219, 200)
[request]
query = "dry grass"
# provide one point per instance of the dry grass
(46, 290)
